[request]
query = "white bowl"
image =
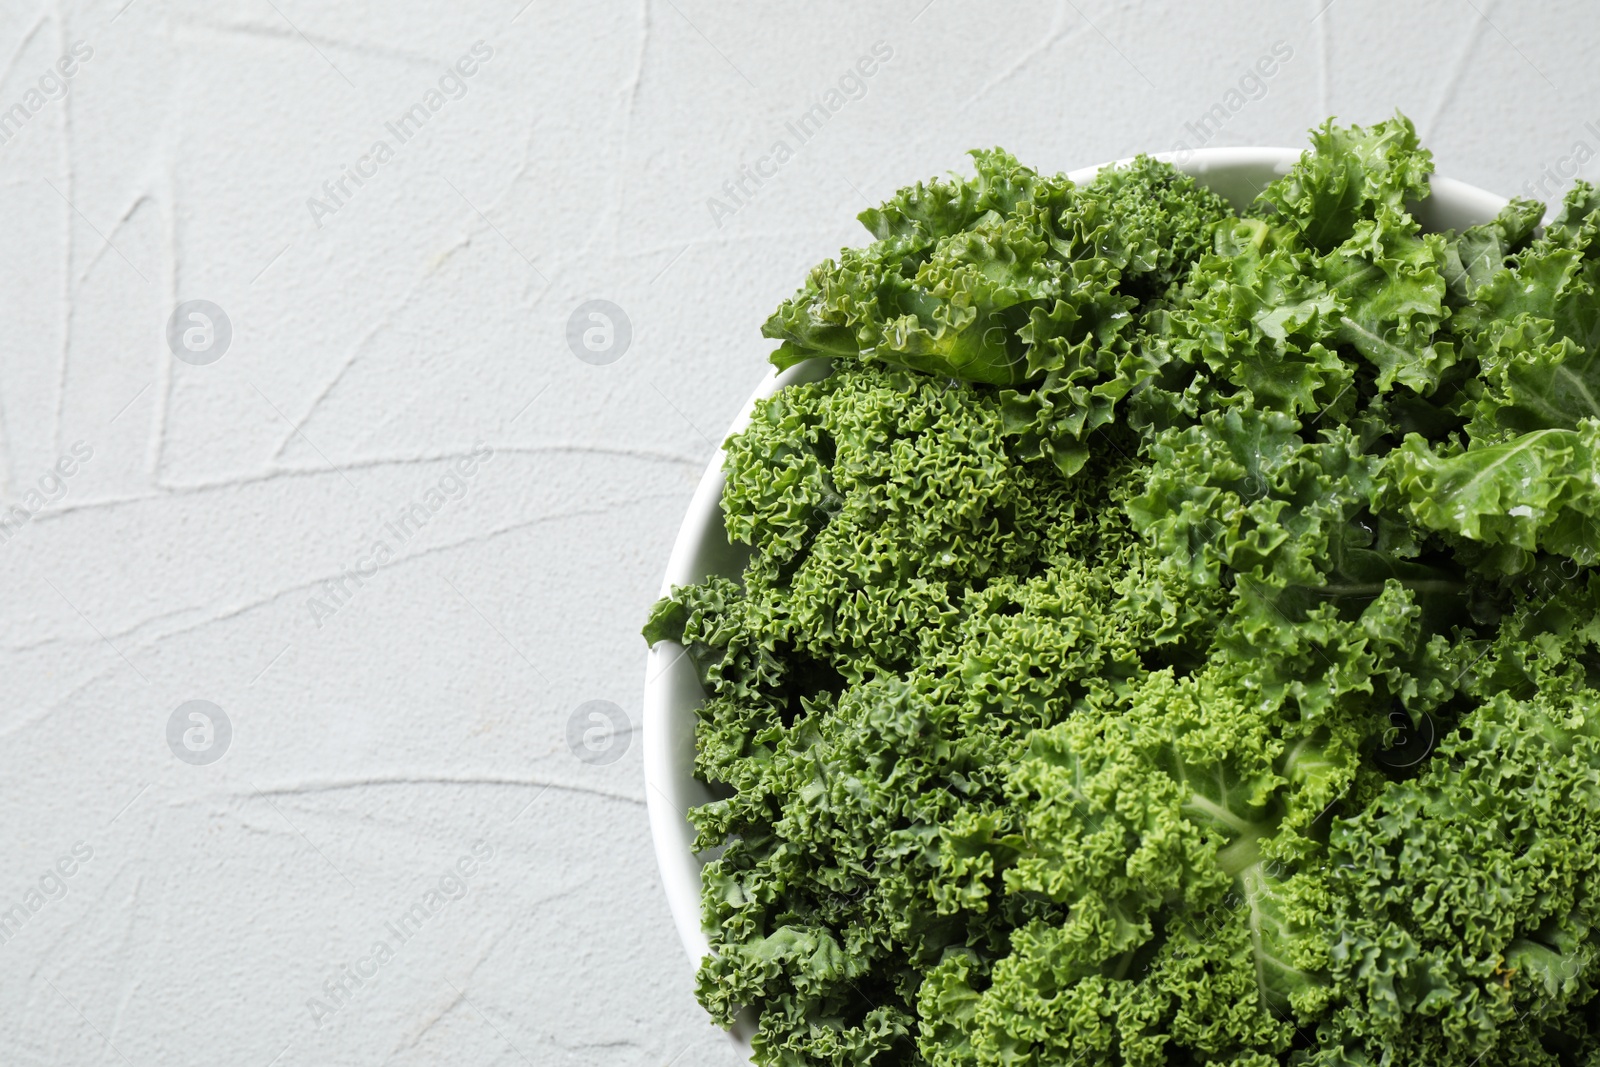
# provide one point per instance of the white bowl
(672, 691)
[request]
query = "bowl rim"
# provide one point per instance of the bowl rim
(670, 788)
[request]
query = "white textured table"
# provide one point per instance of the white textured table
(374, 511)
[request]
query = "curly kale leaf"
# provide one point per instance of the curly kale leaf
(1536, 492)
(1479, 252)
(1349, 174)
(1009, 279)
(1465, 901)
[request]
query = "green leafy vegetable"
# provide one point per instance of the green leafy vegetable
(1171, 634)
